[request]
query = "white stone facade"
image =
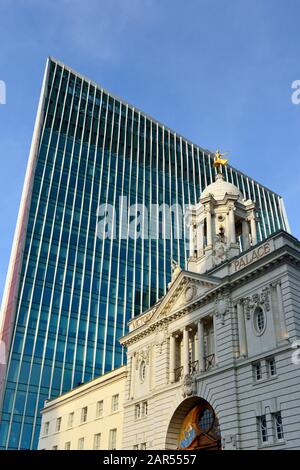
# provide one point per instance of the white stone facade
(90, 417)
(202, 341)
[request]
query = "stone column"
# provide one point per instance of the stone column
(209, 227)
(215, 338)
(151, 367)
(200, 244)
(245, 230)
(195, 347)
(191, 233)
(232, 236)
(201, 346)
(241, 329)
(186, 355)
(133, 359)
(253, 230)
(284, 333)
(275, 310)
(172, 358)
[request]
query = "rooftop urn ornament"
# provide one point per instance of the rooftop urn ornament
(219, 161)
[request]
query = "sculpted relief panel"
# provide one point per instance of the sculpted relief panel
(259, 299)
(222, 305)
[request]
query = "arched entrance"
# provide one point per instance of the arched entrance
(194, 426)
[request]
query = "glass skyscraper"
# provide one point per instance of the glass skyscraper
(70, 291)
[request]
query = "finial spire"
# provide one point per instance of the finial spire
(219, 162)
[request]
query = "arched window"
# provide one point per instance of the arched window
(206, 419)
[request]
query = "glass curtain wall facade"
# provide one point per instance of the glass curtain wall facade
(75, 291)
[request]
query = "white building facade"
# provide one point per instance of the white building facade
(90, 417)
(213, 364)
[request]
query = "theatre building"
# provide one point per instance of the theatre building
(214, 364)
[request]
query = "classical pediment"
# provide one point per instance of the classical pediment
(185, 289)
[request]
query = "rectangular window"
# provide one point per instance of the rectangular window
(271, 365)
(263, 428)
(70, 420)
(112, 439)
(141, 410)
(54, 447)
(97, 441)
(81, 443)
(46, 428)
(143, 446)
(278, 425)
(135, 447)
(58, 425)
(144, 409)
(257, 371)
(137, 411)
(99, 410)
(84, 414)
(68, 445)
(115, 402)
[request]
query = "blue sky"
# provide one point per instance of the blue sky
(217, 71)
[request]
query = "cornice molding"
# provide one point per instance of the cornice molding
(227, 284)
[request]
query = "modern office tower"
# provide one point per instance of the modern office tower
(71, 289)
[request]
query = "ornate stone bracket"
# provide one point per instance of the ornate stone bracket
(189, 386)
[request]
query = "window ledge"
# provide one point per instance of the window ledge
(265, 380)
(141, 418)
(267, 445)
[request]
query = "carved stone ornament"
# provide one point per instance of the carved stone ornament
(229, 441)
(143, 355)
(220, 250)
(259, 299)
(190, 292)
(189, 386)
(222, 306)
(161, 337)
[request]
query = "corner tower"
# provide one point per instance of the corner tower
(222, 223)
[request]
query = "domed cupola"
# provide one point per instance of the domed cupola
(220, 188)
(222, 223)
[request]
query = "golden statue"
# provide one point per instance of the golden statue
(218, 162)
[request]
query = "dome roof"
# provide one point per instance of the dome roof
(220, 188)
